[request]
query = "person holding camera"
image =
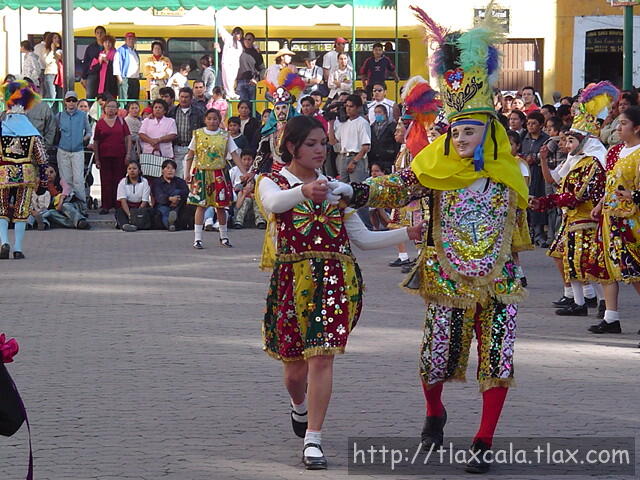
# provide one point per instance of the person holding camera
(530, 151)
(353, 137)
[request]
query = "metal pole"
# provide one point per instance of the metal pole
(627, 69)
(68, 52)
(353, 40)
(396, 55)
(216, 54)
(266, 34)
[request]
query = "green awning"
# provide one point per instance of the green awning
(196, 4)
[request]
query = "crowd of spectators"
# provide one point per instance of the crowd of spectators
(361, 124)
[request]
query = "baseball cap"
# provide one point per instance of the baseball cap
(341, 40)
(129, 34)
(71, 94)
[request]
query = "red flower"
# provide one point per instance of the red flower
(7, 349)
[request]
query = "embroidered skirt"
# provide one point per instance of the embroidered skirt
(210, 188)
(312, 305)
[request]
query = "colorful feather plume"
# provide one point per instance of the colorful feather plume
(291, 81)
(435, 31)
(418, 97)
(19, 94)
(598, 97)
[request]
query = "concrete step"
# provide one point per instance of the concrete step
(101, 221)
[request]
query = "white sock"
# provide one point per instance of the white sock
(403, 256)
(197, 231)
(313, 437)
(599, 291)
(568, 292)
(223, 231)
(578, 295)
(300, 411)
(587, 291)
(611, 316)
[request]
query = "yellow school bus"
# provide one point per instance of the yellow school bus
(187, 43)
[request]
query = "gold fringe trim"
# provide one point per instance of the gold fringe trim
(318, 351)
(296, 257)
(490, 383)
(582, 226)
(503, 255)
(513, 297)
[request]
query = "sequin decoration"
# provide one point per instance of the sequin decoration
(472, 229)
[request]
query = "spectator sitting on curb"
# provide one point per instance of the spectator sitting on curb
(170, 195)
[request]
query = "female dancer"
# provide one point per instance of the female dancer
(315, 293)
(619, 209)
(209, 176)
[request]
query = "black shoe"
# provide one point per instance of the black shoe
(83, 225)
(238, 226)
(591, 302)
(478, 464)
(602, 306)
(314, 463)
(208, 227)
(171, 221)
(299, 428)
(261, 226)
(433, 431)
(604, 327)
(573, 310)
(103, 211)
(198, 245)
(523, 282)
(563, 302)
(399, 263)
(4, 251)
(18, 255)
(224, 242)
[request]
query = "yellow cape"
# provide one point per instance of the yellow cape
(438, 171)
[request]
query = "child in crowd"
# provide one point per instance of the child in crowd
(146, 113)
(133, 122)
(234, 128)
(40, 202)
(245, 192)
(219, 103)
(179, 79)
(379, 216)
(209, 176)
(264, 116)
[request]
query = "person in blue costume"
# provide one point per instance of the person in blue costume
(23, 161)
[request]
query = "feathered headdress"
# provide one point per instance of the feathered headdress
(421, 102)
(290, 85)
(18, 96)
(466, 63)
(593, 100)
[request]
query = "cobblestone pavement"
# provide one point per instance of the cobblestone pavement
(141, 359)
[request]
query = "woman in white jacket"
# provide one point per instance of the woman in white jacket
(233, 48)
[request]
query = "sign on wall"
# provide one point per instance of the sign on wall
(604, 41)
(501, 14)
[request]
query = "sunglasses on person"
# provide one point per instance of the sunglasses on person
(73, 100)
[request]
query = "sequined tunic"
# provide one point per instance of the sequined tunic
(579, 192)
(464, 272)
(22, 161)
(620, 234)
(315, 292)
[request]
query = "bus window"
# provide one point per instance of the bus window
(364, 49)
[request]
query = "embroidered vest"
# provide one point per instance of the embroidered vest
(211, 150)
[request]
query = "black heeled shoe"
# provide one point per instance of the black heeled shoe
(314, 463)
(433, 431)
(18, 255)
(478, 464)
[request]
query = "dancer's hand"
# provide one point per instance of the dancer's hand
(534, 203)
(623, 195)
(415, 232)
(339, 191)
(316, 191)
(596, 212)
